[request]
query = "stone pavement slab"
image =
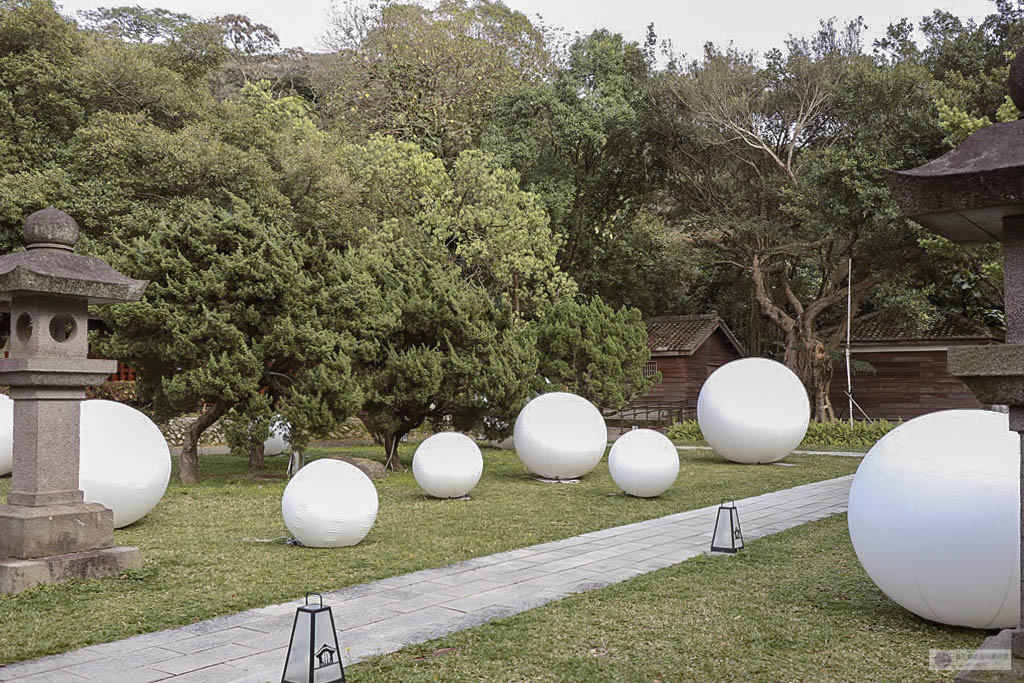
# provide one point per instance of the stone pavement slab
(386, 615)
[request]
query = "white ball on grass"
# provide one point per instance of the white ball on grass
(934, 517)
(329, 503)
(125, 463)
(753, 410)
(6, 434)
(447, 465)
(560, 435)
(643, 463)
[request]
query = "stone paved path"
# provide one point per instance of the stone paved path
(386, 615)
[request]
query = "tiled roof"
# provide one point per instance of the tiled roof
(684, 334)
(876, 327)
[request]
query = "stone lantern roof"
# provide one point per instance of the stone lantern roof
(50, 265)
(965, 194)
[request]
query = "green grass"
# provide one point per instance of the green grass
(203, 557)
(791, 607)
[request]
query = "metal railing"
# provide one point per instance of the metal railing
(650, 415)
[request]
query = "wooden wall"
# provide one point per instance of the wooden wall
(683, 376)
(905, 384)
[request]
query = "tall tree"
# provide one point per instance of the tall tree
(428, 76)
(591, 141)
(790, 185)
(234, 319)
(466, 258)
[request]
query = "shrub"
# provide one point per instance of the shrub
(687, 430)
(837, 434)
(840, 434)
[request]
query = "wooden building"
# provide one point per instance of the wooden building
(909, 375)
(685, 349)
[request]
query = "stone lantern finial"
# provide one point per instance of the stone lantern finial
(50, 228)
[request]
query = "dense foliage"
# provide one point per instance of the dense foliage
(453, 208)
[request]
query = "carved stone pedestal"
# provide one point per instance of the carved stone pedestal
(976, 670)
(19, 575)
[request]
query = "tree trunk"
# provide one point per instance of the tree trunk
(392, 461)
(256, 457)
(807, 357)
(189, 460)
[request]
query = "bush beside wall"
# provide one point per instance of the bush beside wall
(838, 434)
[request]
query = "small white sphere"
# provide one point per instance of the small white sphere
(447, 465)
(277, 443)
(560, 435)
(753, 410)
(643, 463)
(329, 503)
(125, 463)
(934, 517)
(6, 434)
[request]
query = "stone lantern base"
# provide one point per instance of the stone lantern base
(52, 543)
(1000, 641)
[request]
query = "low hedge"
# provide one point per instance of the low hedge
(837, 434)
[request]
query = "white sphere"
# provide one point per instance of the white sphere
(125, 463)
(329, 503)
(643, 463)
(753, 410)
(276, 443)
(447, 465)
(560, 435)
(934, 517)
(6, 434)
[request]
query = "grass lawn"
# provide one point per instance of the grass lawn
(218, 547)
(791, 607)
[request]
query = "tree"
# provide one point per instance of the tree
(792, 186)
(145, 163)
(427, 76)
(594, 351)
(592, 141)
(191, 48)
(453, 357)
(466, 258)
(233, 318)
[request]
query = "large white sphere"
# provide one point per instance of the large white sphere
(125, 463)
(447, 465)
(643, 463)
(753, 410)
(329, 503)
(6, 434)
(560, 435)
(276, 443)
(934, 518)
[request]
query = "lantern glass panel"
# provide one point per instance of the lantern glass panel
(723, 530)
(296, 669)
(326, 658)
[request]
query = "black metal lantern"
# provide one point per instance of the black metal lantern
(313, 653)
(728, 538)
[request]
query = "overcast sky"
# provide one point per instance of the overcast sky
(750, 24)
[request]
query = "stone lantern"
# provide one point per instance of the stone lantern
(975, 193)
(47, 532)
